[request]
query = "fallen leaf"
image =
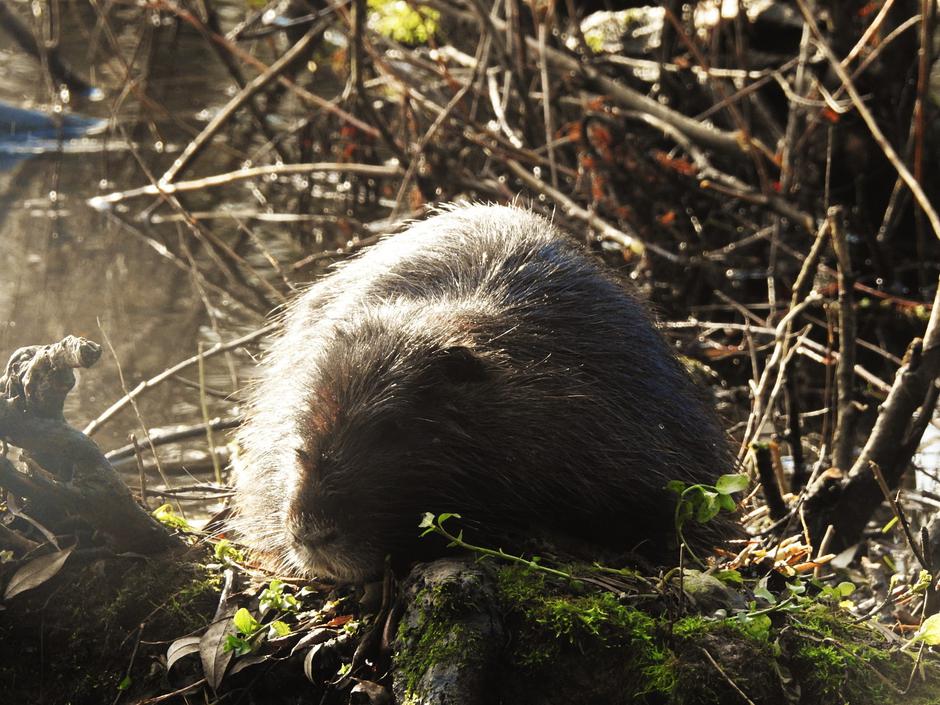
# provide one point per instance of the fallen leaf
(180, 648)
(215, 658)
(36, 572)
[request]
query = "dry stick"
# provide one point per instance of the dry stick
(818, 353)
(177, 262)
(718, 668)
(755, 147)
(301, 93)
(898, 513)
(606, 231)
(543, 23)
(711, 178)
(494, 27)
(923, 74)
(782, 334)
(212, 25)
(786, 158)
(781, 366)
(204, 406)
(164, 437)
(22, 35)
(843, 437)
(822, 550)
(763, 460)
(141, 472)
(146, 385)
(914, 379)
(218, 250)
(243, 96)
(479, 67)
(869, 120)
(725, 142)
(140, 418)
(269, 256)
(375, 170)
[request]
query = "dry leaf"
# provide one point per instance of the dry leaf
(36, 572)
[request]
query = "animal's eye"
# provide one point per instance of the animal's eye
(308, 466)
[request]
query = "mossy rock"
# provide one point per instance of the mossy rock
(523, 637)
(74, 635)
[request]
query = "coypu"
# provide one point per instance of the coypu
(482, 363)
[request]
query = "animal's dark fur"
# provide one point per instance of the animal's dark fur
(481, 363)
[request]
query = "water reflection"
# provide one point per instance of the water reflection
(153, 288)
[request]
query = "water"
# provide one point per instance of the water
(70, 269)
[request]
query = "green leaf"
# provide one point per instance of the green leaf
(677, 486)
(929, 631)
(125, 683)
(708, 507)
(727, 502)
(245, 622)
(237, 645)
(762, 592)
(278, 628)
(164, 514)
(845, 588)
(733, 577)
(427, 522)
(728, 484)
(796, 587)
(224, 550)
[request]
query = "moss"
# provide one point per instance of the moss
(555, 623)
(839, 661)
(84, 622)
(438, 639)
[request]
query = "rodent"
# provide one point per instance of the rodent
(479, 362)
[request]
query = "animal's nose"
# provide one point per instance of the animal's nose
(316, 537)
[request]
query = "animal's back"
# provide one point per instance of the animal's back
(553, 401)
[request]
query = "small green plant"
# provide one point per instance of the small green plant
(165, 515)
(929, 631)
(435, 525)
(225, 552)
(248, 629)
(703, 502)
(274, 598)
(403, 21)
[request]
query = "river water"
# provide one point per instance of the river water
(68, 268)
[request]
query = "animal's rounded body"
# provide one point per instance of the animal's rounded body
(481, 363)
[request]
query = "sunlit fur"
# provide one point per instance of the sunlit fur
(478, 363)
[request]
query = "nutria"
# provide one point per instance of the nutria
(480, 362)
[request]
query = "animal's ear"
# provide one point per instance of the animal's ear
(461, 365)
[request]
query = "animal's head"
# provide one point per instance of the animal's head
(387, 437)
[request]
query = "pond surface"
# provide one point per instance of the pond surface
(148, 288)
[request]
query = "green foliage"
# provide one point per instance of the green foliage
(165, 515)
(929, 631)
(435, 525)
(274, 598)
(226, 552)
(246, 623)
(703, 502)
(408, 23)
(239, 645)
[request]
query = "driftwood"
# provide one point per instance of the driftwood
(69, 476)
